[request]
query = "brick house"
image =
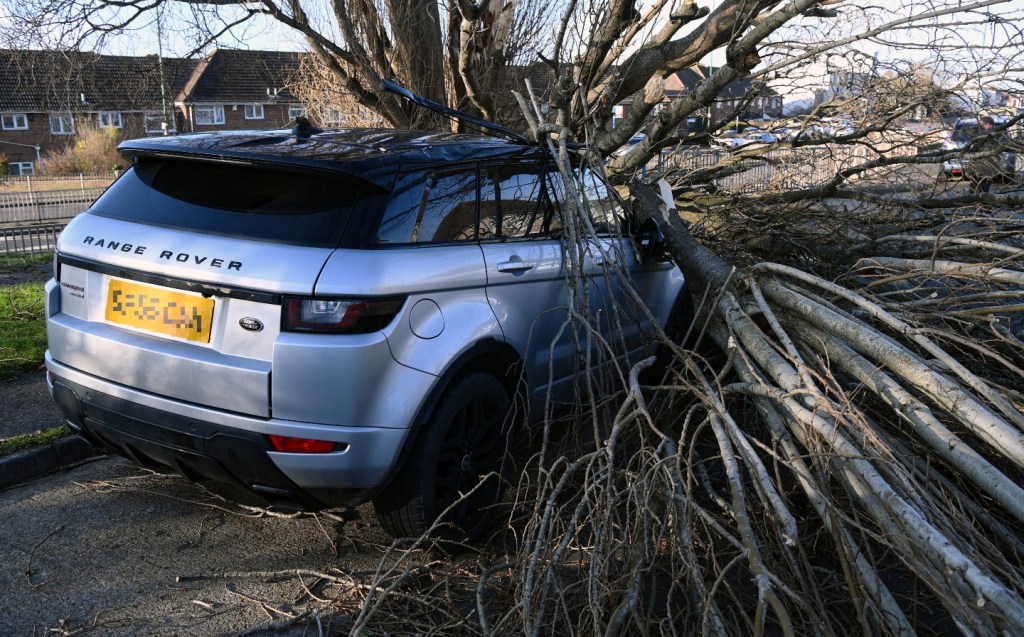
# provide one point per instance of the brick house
(46, 97)
(740, 98)
(233, 89)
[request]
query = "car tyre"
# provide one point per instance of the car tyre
(677, 328)
(465, 443)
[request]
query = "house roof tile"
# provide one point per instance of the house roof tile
(38, 81)
(694, 75)
(230, 75)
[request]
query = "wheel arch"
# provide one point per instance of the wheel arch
(490, 356)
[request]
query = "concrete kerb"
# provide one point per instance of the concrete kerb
(30, 463)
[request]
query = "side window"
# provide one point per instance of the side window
(605, 210)
(402, 213)
(441, 208)
(514, 203)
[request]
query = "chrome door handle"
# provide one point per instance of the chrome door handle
(514, 266)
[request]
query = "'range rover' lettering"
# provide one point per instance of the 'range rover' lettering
(180, 257)
(114, 245)
(184, 257)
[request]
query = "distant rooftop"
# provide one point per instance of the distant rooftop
(228, 75)
(76, 80)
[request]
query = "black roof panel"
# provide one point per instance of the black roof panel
(372, 154)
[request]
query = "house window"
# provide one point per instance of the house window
(296, 111)
(209, 115)
(110, 119)
(21, 168)
(333, 116)
(153, 121)
(254, 111)
(15, 121)
(62, 123)
(618, 114)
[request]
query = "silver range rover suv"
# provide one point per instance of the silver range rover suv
(330, 318)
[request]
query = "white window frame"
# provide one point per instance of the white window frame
(216, 113)
(152, 120)
(254, 111)
(296, 111)
(333, 116)
(62, 123)
(21, 168)
(110, 119)
(11, 121)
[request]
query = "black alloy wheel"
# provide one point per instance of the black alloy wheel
(457, 468)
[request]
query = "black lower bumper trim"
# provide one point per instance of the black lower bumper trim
(197, 450)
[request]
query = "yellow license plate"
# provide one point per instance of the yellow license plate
(181, 314)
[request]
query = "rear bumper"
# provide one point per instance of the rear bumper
(953, 167)
(202, 443)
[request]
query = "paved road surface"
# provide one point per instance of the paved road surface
(98, 548)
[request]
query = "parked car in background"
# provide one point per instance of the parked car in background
(964, 131)
(727, 139)
(756, 139)
(805, 133)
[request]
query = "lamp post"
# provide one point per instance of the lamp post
(164, 123)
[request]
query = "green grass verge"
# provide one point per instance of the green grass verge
(12, 262)
(37, 439)
(22, 328)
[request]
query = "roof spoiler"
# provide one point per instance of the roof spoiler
(455, 114)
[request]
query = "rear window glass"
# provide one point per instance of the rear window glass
(441, 209)
(270, 204)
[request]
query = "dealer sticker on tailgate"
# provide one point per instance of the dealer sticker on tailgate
(181, 314)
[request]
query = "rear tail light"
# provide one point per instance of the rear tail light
(340, 316)
(301, 445)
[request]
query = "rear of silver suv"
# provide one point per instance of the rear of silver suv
(330, 318)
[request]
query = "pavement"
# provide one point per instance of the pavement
(25, 408)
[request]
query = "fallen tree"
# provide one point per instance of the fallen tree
(850, 454)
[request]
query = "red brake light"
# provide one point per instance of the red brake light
(345, 316)
(301, 445)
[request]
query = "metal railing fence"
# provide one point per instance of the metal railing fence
(32, 183)
(30, 239)
(45, 205)
(777, 169)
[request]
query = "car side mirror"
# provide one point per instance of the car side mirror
(649, 242)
